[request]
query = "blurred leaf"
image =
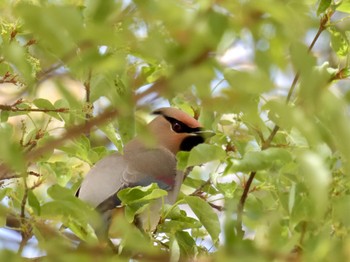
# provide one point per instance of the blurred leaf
(62, 170)
(291, 199)
(323, 6)
(4, 115)
(112, 135)
(34, 202)
(174, 251)
(206, 216)
(339, 41)
(74, 213)
(5, 192)
(133, 240)
(98, 11)
(344, 6)
(10, 151)
(317, 178)
(204, 153)
(58, 26)
(259, 160)
(16, 54)
(254, 82)
(187, 244)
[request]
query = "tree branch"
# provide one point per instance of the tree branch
(72, 132)
(14, 108)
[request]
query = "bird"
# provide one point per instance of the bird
(142, 164)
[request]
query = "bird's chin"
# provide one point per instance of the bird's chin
(190, 142)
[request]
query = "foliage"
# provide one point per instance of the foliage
(269, 77)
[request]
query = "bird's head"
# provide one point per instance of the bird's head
(176, 130)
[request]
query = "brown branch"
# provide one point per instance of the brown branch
(14, 108)
(26, 231)
(13, 176)
(9, 78)
(73, 132)
(44, 110)
(241, 203)
(217, 207)
(267, 143)
(44, 74)
(89, 106)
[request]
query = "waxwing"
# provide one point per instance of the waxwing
(141, 165)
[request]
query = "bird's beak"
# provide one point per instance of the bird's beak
(205, 133)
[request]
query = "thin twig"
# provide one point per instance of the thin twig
(14, 108)
(25, 227)
(73, 132)
(89, 106)
(44, 110)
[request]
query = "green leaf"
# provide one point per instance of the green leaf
(344, 6)
(132, 239)
(79, 216)
(187, 244)
(174, 251)
(112, 135)
(206, 216)
(204, 153)
(4, 115)
(10, 151)
(57, 26)
(45, 104)
(252, 82)
(339, 41)
(62, 170)
(60, 193)
(139, 199)
(5, 192)
(291, 199)
(141, 194)
(318, 178)
(259, 160)
(323, 6)
(174, 220)
(34, 202)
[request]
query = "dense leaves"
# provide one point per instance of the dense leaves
(78, 79)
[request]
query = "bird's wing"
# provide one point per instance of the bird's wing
(151, 166)
(143, 168)
(103, 179)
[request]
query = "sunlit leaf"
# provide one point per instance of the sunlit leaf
(206, 216)
(344, 6)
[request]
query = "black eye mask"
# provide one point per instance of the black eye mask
(179, 127)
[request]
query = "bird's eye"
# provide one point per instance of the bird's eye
(177, 127)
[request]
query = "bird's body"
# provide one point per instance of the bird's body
(142, 165)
